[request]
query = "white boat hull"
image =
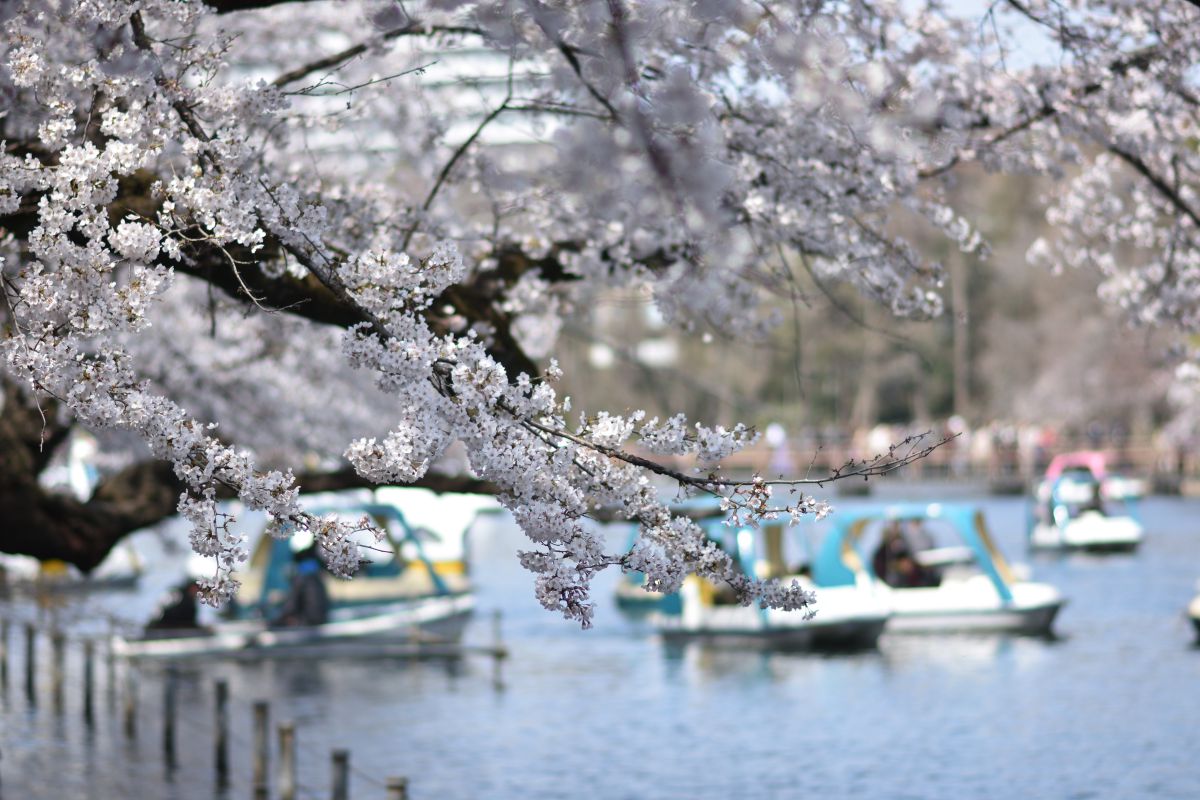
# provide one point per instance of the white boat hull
(24, 574)
(845, 618)
(974, 605)
(1089, 532)
(847, 635)
(431, 620)
(1035, 621)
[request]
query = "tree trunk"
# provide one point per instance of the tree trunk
(48, 525)
(960, 312)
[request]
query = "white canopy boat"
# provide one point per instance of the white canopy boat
(1090, 530)
(965, 587)
(1081, 505)
(1074, 512)
(845, 617)
(120, 570)
(407, 627)
(412, 590)
(1193, 612)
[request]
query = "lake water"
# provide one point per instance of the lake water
(1111, 709)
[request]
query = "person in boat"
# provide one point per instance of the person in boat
(180, 612)
(307, 601)
(1062, 510)
(891, 551)
(919, 540)
(1094, 503)
(895, 563)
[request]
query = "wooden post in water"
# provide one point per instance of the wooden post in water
(88, 680)
(341, 775)
(110, 675)
(222, 735)
(170, 691)
(497, 651)
(397, 789)
(3, 656)
(262, 745)
(31, 663)
(57, 678)
(129, 709)
(287, 761)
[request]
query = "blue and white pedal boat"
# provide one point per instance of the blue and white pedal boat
(973, 587)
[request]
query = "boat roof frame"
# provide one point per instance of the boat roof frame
(838, 562)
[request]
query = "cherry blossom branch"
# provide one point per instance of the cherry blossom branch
(185, 112)
(878, 466)
(1044, 113)
(311, 91)
(1140, 59)
(1169, 193)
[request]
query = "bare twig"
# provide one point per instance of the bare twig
(877, 467)
(449, 166)
(569, 53)
(311, 91)
(333, 62)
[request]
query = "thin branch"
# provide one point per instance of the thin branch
(877, 467)
(344, 89)
(659, 159)
(449, 165)
(1156, 180)
(907, 343)
(569, 53)
(1045, 112)
(183, 109)
(337, 60)
(535, 107)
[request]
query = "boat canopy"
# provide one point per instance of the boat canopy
(1094, 461)
(384, 569)
(839, 563)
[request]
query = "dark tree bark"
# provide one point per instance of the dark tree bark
(45, 524)
(48, 525)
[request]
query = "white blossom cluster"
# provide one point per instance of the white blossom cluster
(83, 282)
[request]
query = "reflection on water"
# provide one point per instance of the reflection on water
(1107, 710)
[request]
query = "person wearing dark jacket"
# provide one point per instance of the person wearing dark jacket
(895, 563)
(307, 602)
(180, 613)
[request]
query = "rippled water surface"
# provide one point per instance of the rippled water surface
(1109, 710)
